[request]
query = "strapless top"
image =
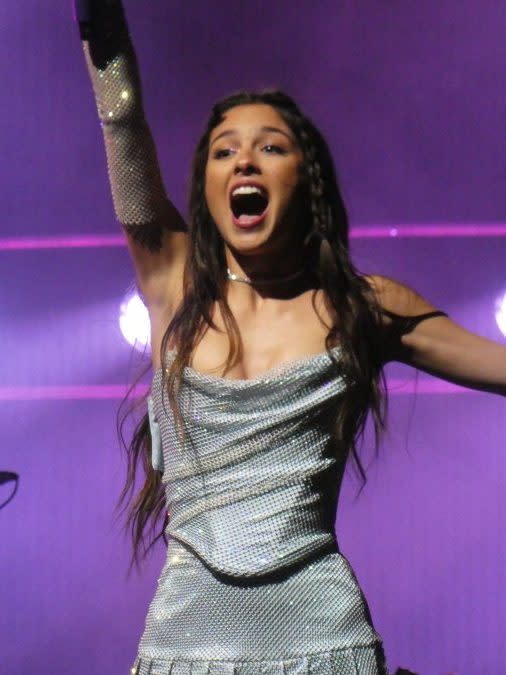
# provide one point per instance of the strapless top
(252, 487)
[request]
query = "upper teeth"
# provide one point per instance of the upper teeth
(246, 190)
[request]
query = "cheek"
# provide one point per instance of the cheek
(291, 176)
(209, 191)
(212, 189)
(288, 187)
(215, 204)
(207, 194)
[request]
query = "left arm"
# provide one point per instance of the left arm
(438, 345)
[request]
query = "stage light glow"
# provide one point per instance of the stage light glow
(500, 314)
(370, 231)
(134, 322)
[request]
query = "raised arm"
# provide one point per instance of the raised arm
(154, 228)
(436, 344)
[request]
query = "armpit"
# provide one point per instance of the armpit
(149, 236)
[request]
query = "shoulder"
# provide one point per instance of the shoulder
(396, 297)
(403, 310)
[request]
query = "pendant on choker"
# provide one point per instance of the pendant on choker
(246, 280)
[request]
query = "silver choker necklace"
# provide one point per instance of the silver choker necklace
(245, 280)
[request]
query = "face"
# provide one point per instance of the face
(252, 173)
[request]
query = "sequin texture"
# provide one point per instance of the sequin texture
(138, 192)
(254, 581)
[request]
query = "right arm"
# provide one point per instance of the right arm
(154, 229)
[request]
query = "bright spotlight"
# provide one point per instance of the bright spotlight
(134, 322)
(500, 314)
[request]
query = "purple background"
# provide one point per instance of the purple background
(411, 98)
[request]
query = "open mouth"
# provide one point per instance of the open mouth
(248, 202)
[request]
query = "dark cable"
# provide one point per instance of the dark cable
(8, 477)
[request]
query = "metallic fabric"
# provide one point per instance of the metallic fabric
(254, 488)
(139, 196)
(254, 581)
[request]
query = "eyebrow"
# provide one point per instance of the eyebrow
(231, 132)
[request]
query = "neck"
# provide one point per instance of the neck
(263, 281)
(248, 282)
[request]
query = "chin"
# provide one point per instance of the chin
(248, 242)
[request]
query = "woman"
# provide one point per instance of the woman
(270, 347)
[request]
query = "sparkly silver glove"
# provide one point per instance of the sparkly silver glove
(139, 196)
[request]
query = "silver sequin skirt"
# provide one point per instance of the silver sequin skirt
(310, 620)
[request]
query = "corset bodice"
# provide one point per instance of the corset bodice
(253, 485)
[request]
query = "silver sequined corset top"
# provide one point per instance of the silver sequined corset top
(254, 489)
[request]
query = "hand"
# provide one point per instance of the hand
(103, 24)
(82, 11)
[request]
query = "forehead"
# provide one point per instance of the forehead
(249, 118)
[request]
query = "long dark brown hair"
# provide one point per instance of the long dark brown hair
(349, 294)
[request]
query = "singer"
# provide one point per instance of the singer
(268, 350)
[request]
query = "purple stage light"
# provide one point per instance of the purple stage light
(72, 392)
(429, 231)
(134, 322)
(421, 230)
(57, 242)
(396, 387)
(500, 314)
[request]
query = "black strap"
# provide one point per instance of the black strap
(405, 324)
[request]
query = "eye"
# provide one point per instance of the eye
(224, 152)
(273, 149)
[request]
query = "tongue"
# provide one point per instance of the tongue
(245, 219)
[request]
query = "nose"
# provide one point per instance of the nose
(245, 165)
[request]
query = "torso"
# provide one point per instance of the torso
(282, 331)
